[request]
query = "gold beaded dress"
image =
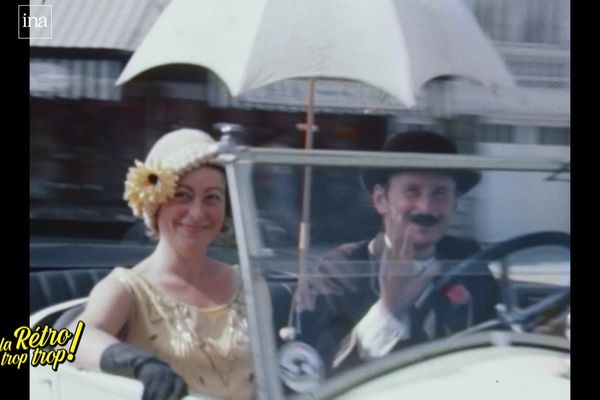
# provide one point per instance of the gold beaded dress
(208, 347)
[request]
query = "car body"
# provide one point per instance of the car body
(511, 357)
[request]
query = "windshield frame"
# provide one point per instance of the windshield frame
(238, 162)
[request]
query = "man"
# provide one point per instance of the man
(366, 294)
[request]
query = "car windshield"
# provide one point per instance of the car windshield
(495, 257)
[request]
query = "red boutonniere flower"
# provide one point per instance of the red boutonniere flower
(457, 294)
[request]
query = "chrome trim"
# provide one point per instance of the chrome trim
(366, 159)
(261, 340)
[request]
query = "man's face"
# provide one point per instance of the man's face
(418, 204)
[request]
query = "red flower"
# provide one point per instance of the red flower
(457, 294)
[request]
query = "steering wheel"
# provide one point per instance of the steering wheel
(515, 319)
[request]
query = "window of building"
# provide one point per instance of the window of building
(554, 136)
(495, 133)
(525, 21)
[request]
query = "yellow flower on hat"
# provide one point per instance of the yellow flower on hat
(148, 186)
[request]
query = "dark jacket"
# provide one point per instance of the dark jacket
(346, 286)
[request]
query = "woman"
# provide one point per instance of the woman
(176, 321)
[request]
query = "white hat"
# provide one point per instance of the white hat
(150, 184)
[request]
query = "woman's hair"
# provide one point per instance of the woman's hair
(221, 169)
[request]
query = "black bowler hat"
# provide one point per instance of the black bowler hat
(421, 142)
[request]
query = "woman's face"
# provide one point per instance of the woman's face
(194, 217)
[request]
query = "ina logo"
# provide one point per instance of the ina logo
(35, 21)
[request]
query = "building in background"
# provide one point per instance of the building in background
(85, 132)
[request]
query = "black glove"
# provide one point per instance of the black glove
(159, 379)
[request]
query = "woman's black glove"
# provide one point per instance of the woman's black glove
(159, 379)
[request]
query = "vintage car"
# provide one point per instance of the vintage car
(519, 214)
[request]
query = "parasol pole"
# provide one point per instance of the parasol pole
(304, 236)
(290, 332)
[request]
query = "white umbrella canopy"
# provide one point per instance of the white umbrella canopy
(394, 45)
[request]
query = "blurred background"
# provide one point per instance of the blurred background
(85, 132)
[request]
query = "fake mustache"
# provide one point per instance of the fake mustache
(425, 220)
